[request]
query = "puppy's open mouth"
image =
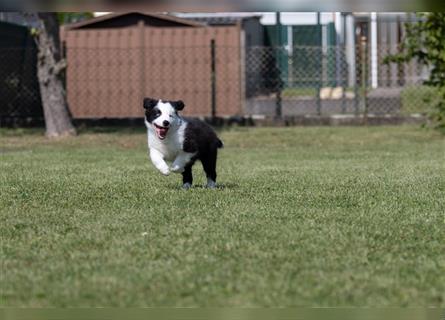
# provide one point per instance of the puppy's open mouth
(161, 131)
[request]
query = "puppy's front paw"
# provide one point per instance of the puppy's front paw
(177, 169)
(165, 171)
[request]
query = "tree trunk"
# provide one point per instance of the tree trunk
(49, 67)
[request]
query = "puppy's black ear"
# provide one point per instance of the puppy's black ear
(178, 105)
(150, 103)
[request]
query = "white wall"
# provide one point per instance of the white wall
(295, 18)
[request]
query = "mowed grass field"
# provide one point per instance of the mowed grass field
(303, 217)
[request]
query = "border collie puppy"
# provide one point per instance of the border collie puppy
(179, 140)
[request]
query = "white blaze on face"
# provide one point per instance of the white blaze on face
(166, 119)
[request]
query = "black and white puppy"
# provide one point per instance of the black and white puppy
(179, 140)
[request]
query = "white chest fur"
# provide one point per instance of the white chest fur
(172, 145)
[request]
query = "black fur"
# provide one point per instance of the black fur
(187, 176)
(151, 112)
(150, 103)
(178, 105)
(199, 137)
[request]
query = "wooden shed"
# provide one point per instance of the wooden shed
(117, 59)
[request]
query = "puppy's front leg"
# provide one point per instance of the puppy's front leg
(181, 160)
(158, 161)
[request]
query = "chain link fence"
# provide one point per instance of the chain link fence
(309, 80)
(223, 81)
(19, 87)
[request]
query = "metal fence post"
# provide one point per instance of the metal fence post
(319, 81)
(321, 53)
(364, 79)
(278, 108)
(141, 29)
(357, 81)
(343, 81)
(213, 78)
(278, 101)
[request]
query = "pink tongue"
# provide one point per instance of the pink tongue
(162, 132)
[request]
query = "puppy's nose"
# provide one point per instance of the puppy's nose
(166, 123)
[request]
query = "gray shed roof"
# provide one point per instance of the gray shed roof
(128, 18)
(218, 18)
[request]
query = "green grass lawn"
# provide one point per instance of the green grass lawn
(303, 217)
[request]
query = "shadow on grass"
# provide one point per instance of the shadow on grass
(112, 129)
(219, 186)
(81, 130)
(21, 132)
